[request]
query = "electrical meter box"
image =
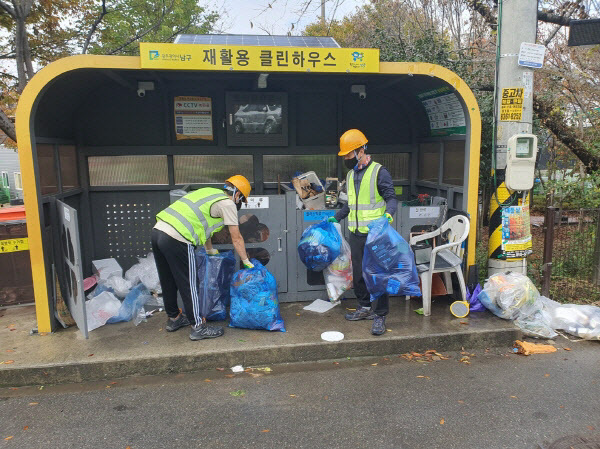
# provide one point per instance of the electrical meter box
(520, 161)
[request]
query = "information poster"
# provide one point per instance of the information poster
(445, 112)
(511, 109)
(193, 118)
(516, 232)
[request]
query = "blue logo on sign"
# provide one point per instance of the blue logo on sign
(153, 54)
(318, 215)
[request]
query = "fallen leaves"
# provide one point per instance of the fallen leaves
(374, 364)
(514, 397)
(8, 362)
(546, 375)
(423, 377)
(90, 355)
(465, 359)
(442, 421)
(207, 380)
(237, 393)
(567, 349)
(33, 403)
(431, 355)
(293, 396)
(230, 375)
(461, 402)
(220, 369)
(9, 438)
(26, 427)
(265, 430)
(10, 350)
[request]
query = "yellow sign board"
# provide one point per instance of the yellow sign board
(14, 245)
(511, 109)
(258, 59)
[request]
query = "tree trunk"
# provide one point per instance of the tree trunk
(20, 37)
(7, 126)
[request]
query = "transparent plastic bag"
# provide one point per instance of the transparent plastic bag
(254, 302)
(580, 320)
(133, 302)
(214, 283)
(338, 275)
(320, 244)
(388, 262)
(100, 309)
(120, 286)
(513, 296)
(145, 271)
(100, 288)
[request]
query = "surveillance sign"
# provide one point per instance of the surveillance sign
(532, 55)
(445, 112)
(193, 118)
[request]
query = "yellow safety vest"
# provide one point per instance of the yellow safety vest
(369, 205)
(190, 215)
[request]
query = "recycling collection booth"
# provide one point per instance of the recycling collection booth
(103, 140)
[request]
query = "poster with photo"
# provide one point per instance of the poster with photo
(193, 118)
(516, 232)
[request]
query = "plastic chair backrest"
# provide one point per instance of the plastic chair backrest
(458, 230)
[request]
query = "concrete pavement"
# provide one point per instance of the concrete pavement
(122, 350)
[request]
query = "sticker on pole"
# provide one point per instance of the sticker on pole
(532, 55)
(511, 109)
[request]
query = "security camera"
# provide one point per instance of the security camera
(359, 89)
(143, 86)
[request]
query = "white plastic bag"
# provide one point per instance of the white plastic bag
(338, 275)
(120, 285)
(580, 320)
(145, 272)
(100, 309)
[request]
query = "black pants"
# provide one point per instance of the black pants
(381, 306)
(176, 266)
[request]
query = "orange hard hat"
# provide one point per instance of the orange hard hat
(242, 184)
(351, 140)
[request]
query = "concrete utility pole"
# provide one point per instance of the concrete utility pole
(517, 23)
(323, 12)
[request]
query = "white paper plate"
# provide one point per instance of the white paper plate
(332, 336)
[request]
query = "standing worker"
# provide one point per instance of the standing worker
(371, 195)
(189, 222)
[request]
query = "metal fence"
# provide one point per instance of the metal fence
(570, 269)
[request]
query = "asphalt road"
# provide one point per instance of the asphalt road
(498, 400)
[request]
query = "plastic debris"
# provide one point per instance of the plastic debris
(145, 271)
(214, 283)
(320, 306)
(120, 286)
(254, 301)
(338, 275)
(237, 369)
(132, 304)
(580, 320)
(100, 309)
(332, 336)
(388, 262)
(526, 348)
(474, 303)
(319, 245)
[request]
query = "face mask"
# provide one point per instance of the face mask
(351, 163)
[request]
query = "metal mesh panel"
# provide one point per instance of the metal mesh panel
(429, 162)
(210, 169)
(454, 162)
(287, 166)
(396, 163)
(128, 170)
(68, 167)
(47, 169)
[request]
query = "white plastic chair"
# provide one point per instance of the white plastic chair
(444, 258)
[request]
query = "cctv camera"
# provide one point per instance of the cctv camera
(362, 95)
(359, 89)
(141, 93)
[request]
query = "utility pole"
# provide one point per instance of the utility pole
(517, 23)
(323, 12)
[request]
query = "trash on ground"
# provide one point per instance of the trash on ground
(419, 311)
(388, 262)
(89, 282)
(459, 309)
(332, 336)
(237, 369)
(320, 306)
(254, 301)
(145, 271)
(132, 304)
(580, 320)
(526, 348)
(338, 275)
(106, 268)
(474, 303)
(320, 244)
(100, 309)
(214, 283)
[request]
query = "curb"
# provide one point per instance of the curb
(268, 355)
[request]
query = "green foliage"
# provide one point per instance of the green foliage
(158, 21)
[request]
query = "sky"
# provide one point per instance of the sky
(278, 19)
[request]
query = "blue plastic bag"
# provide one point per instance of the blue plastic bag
(474, 303)
(214, 281)
(319, 246)
(388, 262)
(132, 303)
(254, 302)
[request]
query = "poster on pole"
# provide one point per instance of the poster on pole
(511, 109)
(516, 232)
(193, 118)
(531, 55)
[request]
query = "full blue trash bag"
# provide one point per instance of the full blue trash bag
(132, 304)
(474, 303)
(388, 262)
(319, 246)
(254, 302)
(214, 281)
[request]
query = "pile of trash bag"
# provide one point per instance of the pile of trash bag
(254, 302)
(388, 262)
(580, 320)
(338, 275)
(104, 305)
(319, 245)
(214, 275)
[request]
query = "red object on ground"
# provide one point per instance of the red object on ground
(12, 213)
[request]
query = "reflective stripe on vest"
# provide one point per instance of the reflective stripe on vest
(193, 221)
(369, 205)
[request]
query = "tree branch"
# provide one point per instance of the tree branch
(7, 125)
(554, 18)
(94, 26)
(485, 12)
(10, 11)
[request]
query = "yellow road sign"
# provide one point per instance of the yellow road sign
(14, 245)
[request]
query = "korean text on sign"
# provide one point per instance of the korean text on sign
(511, 109)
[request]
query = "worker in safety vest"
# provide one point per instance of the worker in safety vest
(371, 195)
(189, 222)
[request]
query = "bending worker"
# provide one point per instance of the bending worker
(189, 222)
(371, 195)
